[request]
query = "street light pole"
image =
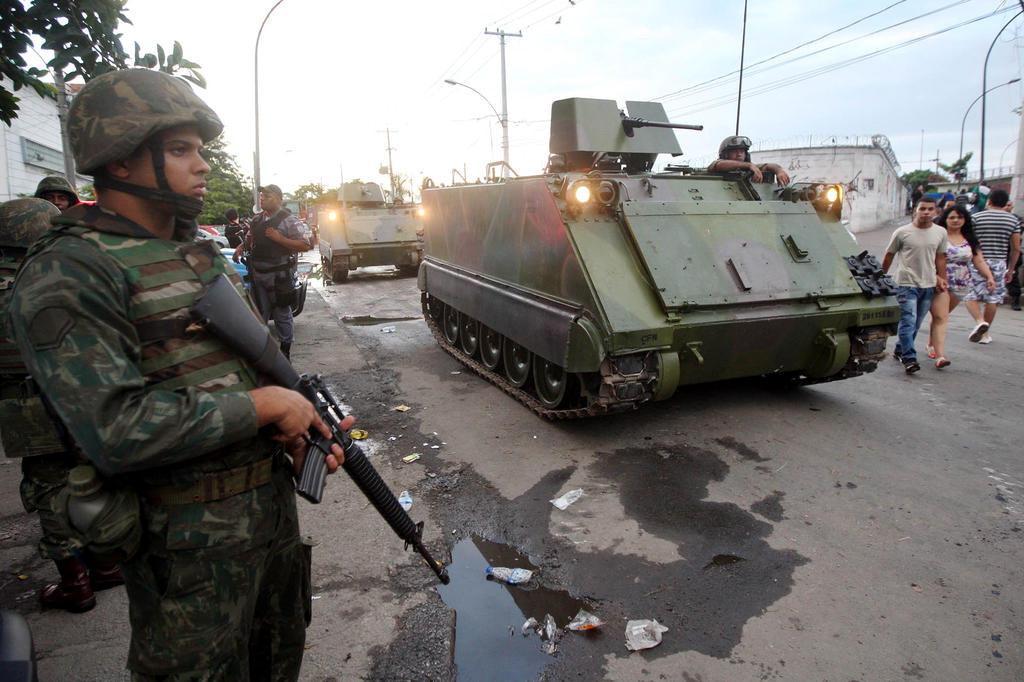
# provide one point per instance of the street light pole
(504, 96)
(971, 106)
(984, 84)
(256, 109)
(500, 118)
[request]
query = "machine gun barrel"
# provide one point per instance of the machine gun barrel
(631, 123)
(222, 311)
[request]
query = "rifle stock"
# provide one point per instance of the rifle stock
(224, 313)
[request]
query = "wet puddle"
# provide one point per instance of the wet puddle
(485, 647)
(370, 320)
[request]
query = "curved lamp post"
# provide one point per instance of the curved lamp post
(256, 90)
(501, 120)
(984, 84)
(971, 106)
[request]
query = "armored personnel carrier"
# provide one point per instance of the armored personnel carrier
(364, 229)
(601, 285)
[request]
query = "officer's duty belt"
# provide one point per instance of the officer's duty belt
(213, 487)
(256, 267)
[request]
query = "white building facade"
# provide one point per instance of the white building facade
(875, 195)
(30, 148)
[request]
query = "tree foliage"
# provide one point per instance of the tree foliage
(81, 36)
(925, 177)
(226, 187)
(959, 167)
(312, 192)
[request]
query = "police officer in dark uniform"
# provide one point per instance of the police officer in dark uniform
(275, 239)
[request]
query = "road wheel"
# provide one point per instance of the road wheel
(451, 324)
(517, 363)
(469, 335)
(490, 347)
(550, 381)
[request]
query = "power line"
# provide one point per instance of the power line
(509, 17)
(707, 85)
(818, 71)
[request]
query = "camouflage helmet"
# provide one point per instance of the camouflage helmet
(56, 183)
(118, 111)
(23, 221)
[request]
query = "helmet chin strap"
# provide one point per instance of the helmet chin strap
(185, 207)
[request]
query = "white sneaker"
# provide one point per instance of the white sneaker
(978, 332)
(986, 339)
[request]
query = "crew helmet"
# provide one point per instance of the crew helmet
(23, 221)
(735, 142)
(118, 111)
(57, 183)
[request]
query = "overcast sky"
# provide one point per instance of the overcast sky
(333, 75)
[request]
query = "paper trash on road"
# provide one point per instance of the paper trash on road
(405, 499)
(401, 408)
(531, 625)
(565, 500)
(643, 634)
(409, 459)
(584, 621)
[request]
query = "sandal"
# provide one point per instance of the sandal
(941, 363)
(931, 352)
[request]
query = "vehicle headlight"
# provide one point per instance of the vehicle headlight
(421, 211)
(332, 215)
(581, 193)
(831, 194)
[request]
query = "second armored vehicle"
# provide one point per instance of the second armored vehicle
(601, 285)
(363, 229)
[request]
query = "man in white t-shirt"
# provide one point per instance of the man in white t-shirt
(921, 272)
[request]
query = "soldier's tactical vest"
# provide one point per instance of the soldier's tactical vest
(164, 279)
(26, 427)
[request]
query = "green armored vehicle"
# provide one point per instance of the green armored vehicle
(364, 229)
(602, 285)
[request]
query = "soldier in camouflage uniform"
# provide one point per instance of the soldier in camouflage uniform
(219, 588)
(58, 191)
(28, 432)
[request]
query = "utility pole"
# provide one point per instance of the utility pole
(504, 95)
(391, 168)
(1017, 186)
(62, 116)
(936, 160)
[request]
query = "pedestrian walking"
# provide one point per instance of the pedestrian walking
(921, 272)
(233, 229)
(962, 251)
(998, 232)
(201, 496)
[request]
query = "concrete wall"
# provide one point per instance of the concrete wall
(37, 132)
(875, 197)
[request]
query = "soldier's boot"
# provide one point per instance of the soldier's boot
(73, 592)
(286, 348)
(104, 574)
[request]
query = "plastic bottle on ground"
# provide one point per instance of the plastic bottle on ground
(512, 576)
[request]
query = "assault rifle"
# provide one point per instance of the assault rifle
(222, 311)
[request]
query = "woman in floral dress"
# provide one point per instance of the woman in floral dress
(962, 251)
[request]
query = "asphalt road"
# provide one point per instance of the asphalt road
(860, 530)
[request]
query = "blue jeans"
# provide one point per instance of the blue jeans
(914, 305)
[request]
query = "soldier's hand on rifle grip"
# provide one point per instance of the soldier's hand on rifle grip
(288, 410)
(298, 449)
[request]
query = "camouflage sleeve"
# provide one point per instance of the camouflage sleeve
(293, 228)
(70, 323)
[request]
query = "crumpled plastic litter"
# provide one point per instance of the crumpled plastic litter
(565, 500)
(358, 434)
(550, 629)
(531, 625)
(643, 634)
(405, 499)
(387, 330)
(583, 621)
